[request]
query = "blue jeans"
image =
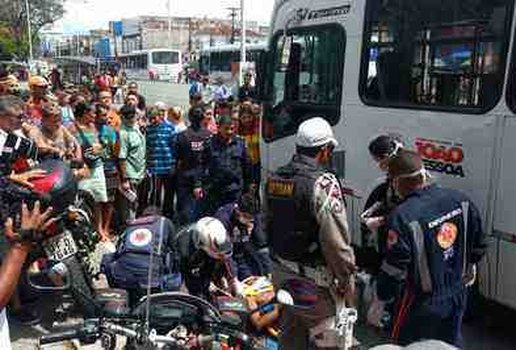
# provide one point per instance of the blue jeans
(252, 262)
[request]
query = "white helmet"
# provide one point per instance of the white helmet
(213, 238)
(315, 132)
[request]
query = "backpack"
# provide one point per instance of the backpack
(128, 267)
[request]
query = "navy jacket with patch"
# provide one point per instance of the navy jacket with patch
(433, 236)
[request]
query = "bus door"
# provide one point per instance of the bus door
(504, 218)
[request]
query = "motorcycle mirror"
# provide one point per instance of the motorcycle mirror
(56, 278)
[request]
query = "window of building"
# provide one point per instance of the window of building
(435, 54)
(306, 80)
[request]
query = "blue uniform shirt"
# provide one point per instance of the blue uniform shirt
(433, 235)
(227, 165)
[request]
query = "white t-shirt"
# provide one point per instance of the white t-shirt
(5, 339)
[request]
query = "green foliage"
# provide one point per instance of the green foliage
(13, 23)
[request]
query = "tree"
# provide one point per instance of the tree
(14, 17)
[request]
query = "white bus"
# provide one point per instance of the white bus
(223, 61)
(441, 74)
(154, 64)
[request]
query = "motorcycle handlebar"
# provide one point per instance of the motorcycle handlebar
(202, 339)
(121, 330)
(59, 337)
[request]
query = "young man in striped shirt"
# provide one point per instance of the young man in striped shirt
(161, 161)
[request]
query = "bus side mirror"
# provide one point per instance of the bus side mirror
(261, 76)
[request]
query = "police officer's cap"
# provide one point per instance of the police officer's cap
(315, 132)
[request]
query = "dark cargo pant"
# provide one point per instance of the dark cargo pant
(300, 328)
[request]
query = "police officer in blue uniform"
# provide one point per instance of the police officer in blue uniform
(434, 242)
(244, 225)
(227, 166)
(190, 147)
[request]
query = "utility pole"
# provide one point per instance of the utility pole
(189, 35)
(242, 42)
(169, 24)
(29, 30)
(233, 15)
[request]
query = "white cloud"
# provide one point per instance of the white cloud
(82, 15)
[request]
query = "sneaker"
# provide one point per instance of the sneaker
(27, 317)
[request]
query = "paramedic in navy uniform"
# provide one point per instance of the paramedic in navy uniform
(434, 242)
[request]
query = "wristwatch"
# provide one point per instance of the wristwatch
(24, 236)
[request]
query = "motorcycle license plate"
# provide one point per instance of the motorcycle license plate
(60, 247)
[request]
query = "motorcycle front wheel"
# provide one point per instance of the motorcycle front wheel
(80, 287)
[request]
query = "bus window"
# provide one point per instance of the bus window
(204, 63)
(165, 57)
(306, 80)
(435, 55)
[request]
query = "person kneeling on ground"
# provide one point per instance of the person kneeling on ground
(128, 267)
(205, 249)
(243, 223)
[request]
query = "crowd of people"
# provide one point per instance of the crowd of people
(200, 169)
(188, 164)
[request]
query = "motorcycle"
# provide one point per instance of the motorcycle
(69, 243)
(166, 321)
(169, 321)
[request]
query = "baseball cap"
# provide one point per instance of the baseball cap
(160, 106)
(315, 132)
(225, 119)
(37, 81)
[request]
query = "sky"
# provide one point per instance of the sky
(82, 15)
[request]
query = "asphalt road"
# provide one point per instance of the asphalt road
(171, 94)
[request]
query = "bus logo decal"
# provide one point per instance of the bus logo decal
(305, 14)
(441, 156)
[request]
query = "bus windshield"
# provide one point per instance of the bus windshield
(165, 57)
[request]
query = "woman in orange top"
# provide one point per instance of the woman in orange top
(249, 129)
